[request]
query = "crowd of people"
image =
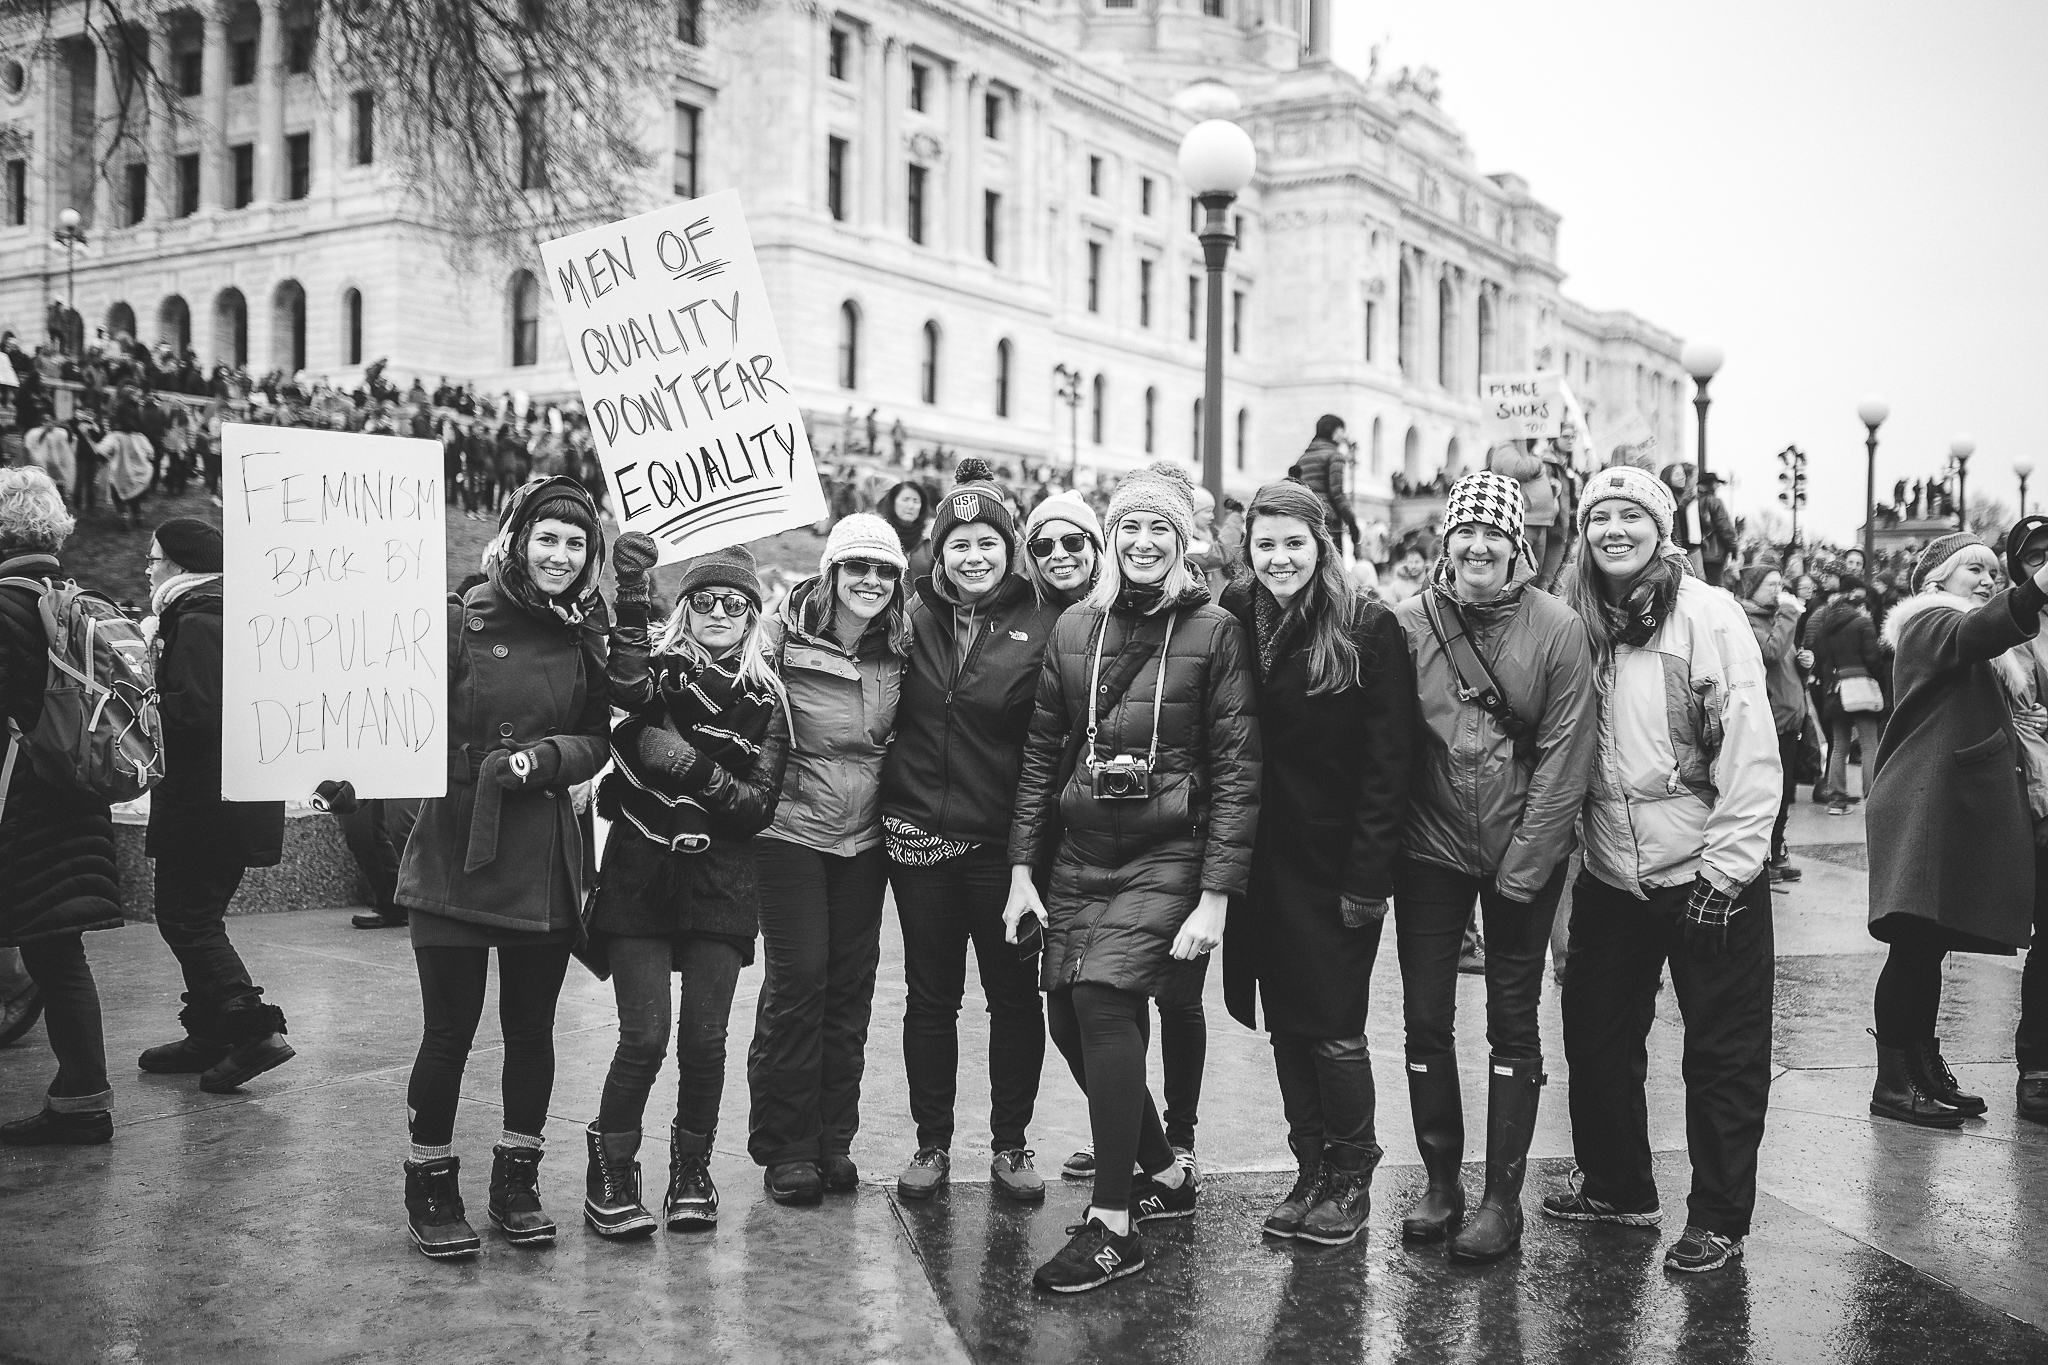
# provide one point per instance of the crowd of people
(1090, 744)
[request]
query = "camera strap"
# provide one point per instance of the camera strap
(1476, 682)
(1158, 690)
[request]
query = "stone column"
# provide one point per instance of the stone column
(106, 113)
(873, 173)
(966, 181)
(270, 161)
(215, 170)
(163, 171)
(892, 91)
(1316, 42)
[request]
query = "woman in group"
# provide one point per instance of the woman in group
(1844, 644)
(905, 508)
(1145, 741)
(948, 787)
(839, 642)
(56, 847)
(1336, 704)
(698, 766)
(1774, 614)
(1677, 825)
(1505, 677)
(499, 862)
(1951, 837)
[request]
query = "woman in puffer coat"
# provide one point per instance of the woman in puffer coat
(1146, 742)
(1676, 829)
(1496, 795)
(1336, 699)
(500, 861)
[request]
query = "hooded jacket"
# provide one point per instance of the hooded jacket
(1775, 629)
(1841, 638)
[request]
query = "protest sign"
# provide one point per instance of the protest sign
(1521, 407)
(690, 401)
(335, 615)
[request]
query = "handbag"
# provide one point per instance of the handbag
(1859, 692)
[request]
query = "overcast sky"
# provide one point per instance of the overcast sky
(1850, 197)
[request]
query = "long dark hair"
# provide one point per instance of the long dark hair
(1327, 606)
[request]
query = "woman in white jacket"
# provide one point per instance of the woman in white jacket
(1676, 829)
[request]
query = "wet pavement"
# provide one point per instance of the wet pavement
(268, 1226)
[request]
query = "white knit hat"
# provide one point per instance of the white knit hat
(1634, 485)
(1162, 489)
(1069, 506)
(862, 535)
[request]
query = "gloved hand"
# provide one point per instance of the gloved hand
(338, 798)
(1703, 925)
(1359, 911)
(525, 769)
(632, 556)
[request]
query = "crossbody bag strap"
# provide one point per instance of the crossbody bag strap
(1476, 682)
(1159, 690)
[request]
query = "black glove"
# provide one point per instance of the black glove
(538, 769)
(632, 556)
(338, 798)
(1703, 925)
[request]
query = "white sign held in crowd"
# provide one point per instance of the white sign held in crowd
(335, 614)
(1521, 407)
(683, 376)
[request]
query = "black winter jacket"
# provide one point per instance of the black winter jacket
(1841, 637)
(185, 808)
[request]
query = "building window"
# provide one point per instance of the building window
(1194, 215)
(17, 193)
(1095, 175)
(1116, 4)
(1377, 457)
(1446, 334)
(245, 174)
(1194, 307)
(352, 327)
(174, 322)
(1488, 363)
(138, 190)
(1144, 293)
(1243, 421)
(1095, 277)
(690, 22)
(188, 184)
(188, 66)
(992, 117)
(1145, 196)
(916, 204)
(991, 223)
(1372, 331)
(1237, 230)
(288, 327)
(242, 61)
(920, 75)
(1101, 396)
(928, 367)
(1196, 454)
(525, 319)
(685, 175)
(298, 157)
(298, 49)
(1213, 8)
(835, 62)
(835, 177)
(849, 345)
(362, 131)
(533, 122)
(1003, 378)
(1151, 417)
(1237, 322)
(1406, 322)
(231, 327)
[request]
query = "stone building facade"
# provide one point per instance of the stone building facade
(968, 214)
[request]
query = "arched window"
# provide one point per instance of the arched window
(351, 326)
(849, 345)
(1411, 456)
(1454, 458)
(174, 322)
(1407, 322)
(121, 321)
(1377, 464)
(1151, 418)
(1446, 334)
(1488, 361)
(231, 328)
(1196, 453)
(928, 370)
(525, 319)
(1003, 378)
(1244, 418)
(288, 327)
(1101, 392)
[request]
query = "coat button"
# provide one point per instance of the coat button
(505, 730)
(476, 623)
(500, 650)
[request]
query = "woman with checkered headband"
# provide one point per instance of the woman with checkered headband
(1504, 678)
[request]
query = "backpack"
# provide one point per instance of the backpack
(99, 734)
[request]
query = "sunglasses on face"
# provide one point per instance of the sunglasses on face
(1072, 543)
(861, 568)
(730, 603)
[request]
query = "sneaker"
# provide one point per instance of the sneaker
(839, 1173)
(1573, 1206)
(1186, 1157)
(1472, 963)
(1092, 1259)
(1015, 1178)
(1151, 1200)
(1838, 806)
(1700, 1250)
(1081, 1165)
(926, 1174)
(1784, 872)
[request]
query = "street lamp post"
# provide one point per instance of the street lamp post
(1069, 392)
(2023, 468)
(1871, 411)
(1702, 360)
(71, 232)
(1960, 448)
(1217, 160)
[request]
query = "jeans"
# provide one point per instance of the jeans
(942, 909)
(452, 1001)
(1102, 1032)
(375, 833)
(1788, 758)
(1431, 905)
(2030, 1041)
(193, 888)
(71, 1013)
(821, 940)
(1619, 948)
(709, 968)
(1867, 724)
(1326, 1090)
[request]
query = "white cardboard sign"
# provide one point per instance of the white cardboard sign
(683, 376)
(1521, 407)
(335, 615)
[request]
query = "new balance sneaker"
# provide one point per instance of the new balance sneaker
(1014, 1178)
(926, 1174)
(1186, 1157)
(1093, 1258)
(1572, 1205)
(1151, 1200)
(1700, 1250)
(1081, 1165)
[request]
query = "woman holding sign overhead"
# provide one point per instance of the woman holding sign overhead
(500, 862)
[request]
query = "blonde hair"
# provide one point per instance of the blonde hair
(756, 671)
(1109, 579)
(1969, 554)
(32, 515)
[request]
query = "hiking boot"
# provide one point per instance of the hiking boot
(1093, 1258)
(1347, 1195)
(49, 1128)
(839, 1173)
(515, 1196)
(433, 1209)
(691, 1204)
(1151, 1200)
(1439, 1113)
(1945, 1087)
(1699, 1250)
(1081, 1165)
(1285, 1219)
(1575, 1206)
(255, 1034)
(1904, 1091)
(1513, 1091)
(926, 1174)
(611, 1185)
(794, 1182)
(1014, 1178)
(2032, 1096)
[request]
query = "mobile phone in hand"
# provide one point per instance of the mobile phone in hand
(1030, 937)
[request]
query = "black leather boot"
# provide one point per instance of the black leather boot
(692, 1201)
(1903, 1093)
(1440, 1134)
(433, 1209)
(611, 1190)
(255, 1035)
(1513, 1091)
(1943, 1081)
(199, 1050)
(2031, 1095)
(49, 1128)
(1285, 1219)
(515, 1195)
(1339, 1216)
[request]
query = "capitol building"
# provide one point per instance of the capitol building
(967, 212)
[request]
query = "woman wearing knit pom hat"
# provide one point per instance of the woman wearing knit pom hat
(1498, 788)
(839, 643)
(1952, 850)
(1145, 741)
(1677, 828)
(947, 787)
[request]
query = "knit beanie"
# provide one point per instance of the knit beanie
(1634, 485)
(1753, 578)
(1067, 506)
(193, 545)
(732, 567)
(1932, 564)
(1162, 489)
(862, 535)
(974, 497)
(1486, 498)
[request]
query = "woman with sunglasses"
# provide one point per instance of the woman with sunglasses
(839, 643)
(698, 768)
(1063, 549)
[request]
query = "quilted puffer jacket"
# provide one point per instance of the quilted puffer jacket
(1128, 873)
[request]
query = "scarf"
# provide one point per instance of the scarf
(1478, 615)
(1267, 618)
(722, 720)
(171, 589)
(1646, 601)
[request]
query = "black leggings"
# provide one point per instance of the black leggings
(1183, 1052)
(452, 998)
(1909, 992)
(1102, 1032)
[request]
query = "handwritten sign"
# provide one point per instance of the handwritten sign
(1521, 407)
(689, 397)
(335, 614)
